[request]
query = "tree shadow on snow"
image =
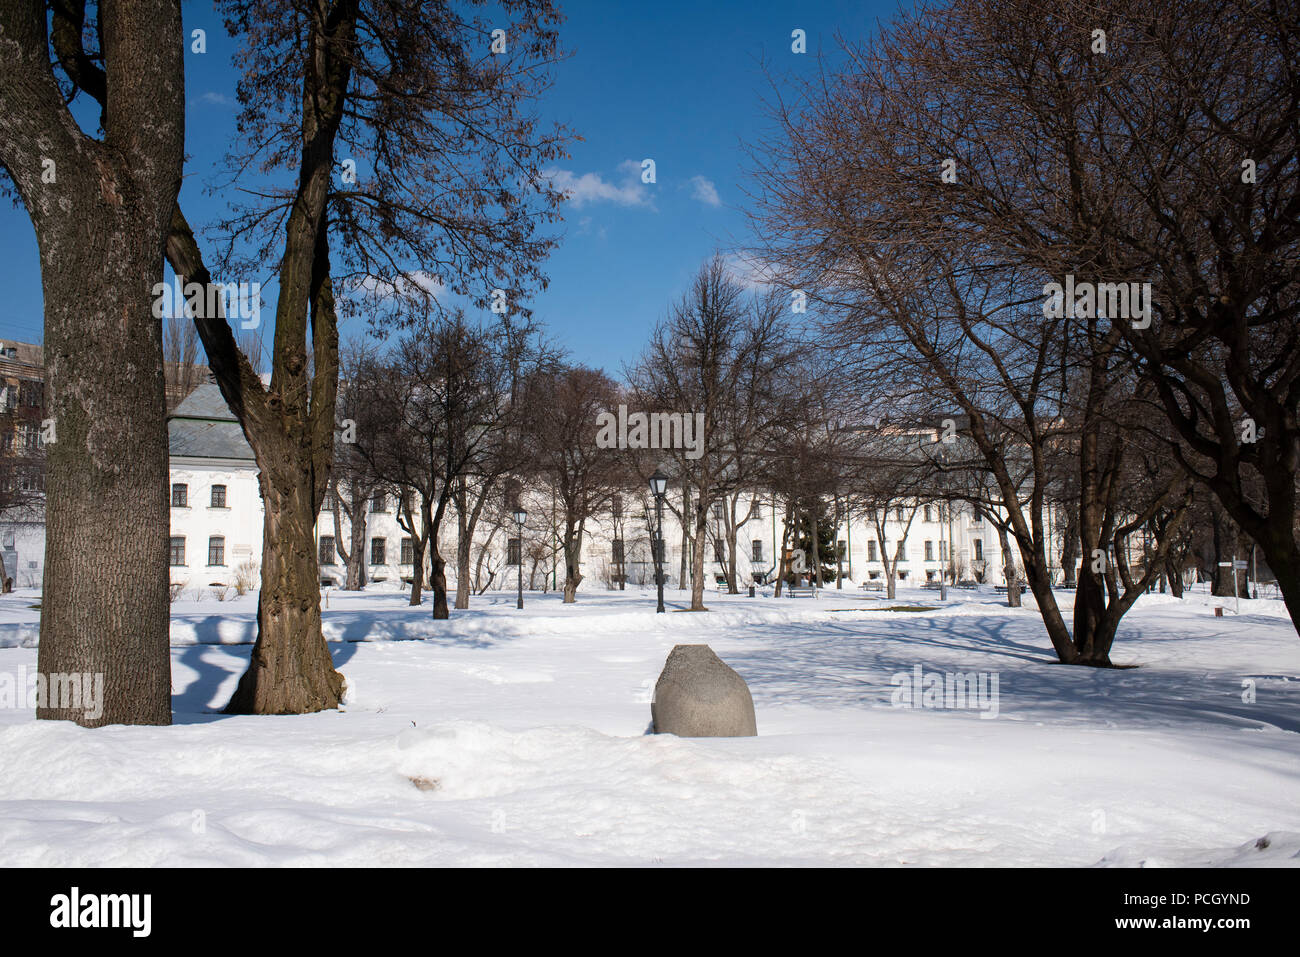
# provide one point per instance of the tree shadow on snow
(852, 663)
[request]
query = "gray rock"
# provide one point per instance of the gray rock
(699, 696)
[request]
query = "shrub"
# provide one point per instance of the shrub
(246, 576)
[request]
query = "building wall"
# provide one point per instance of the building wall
(240, 525)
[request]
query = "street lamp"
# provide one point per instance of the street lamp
(658, 486)
(520, 516)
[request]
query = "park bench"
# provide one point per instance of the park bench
(933, 586)
(873, 586)
(801, 591)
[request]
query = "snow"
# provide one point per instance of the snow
(508, 737)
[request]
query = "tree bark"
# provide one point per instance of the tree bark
(697, 559)
(291, 671)
(1070, 547)
(573, 535)
(100, 224)
(1225, 547)
(1009, 566)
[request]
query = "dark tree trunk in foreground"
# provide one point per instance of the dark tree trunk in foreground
(100, 220)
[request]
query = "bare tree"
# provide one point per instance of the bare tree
(182, 371)
(451, 194)
(854, 214)
(434, 422)
(562, 408)
(712, 367)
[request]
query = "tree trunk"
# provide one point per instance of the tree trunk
(572, 561)
(782, 563)
(1009, 567)
(417, 554)
(105, 609)
(291, 671)
(697, 559)
(732, 543)
(1070, 548)
(464, 540)
(437, 564)
(100, 223)
(1225, 545)
(686, 536)
(816, 549)
(357, 558)
(354, 555)
(889, 562)
(1175, 575)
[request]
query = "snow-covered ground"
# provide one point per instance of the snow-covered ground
(508, 737)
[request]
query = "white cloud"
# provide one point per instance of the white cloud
(586, 188)
(751, 273)
(212, 98)
(704, 190)
(427, 281)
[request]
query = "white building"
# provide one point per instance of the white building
(216, 528)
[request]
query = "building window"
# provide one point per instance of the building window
(842, 549)
(943, 550)
(379, 502)
(756, 553)
(979, 549)
(929, 513)
(616, 506)
(513, 552)
(899, 552)
(378, 546)
(617, 548)
(929, 550)
(216, 550)
(327, 502)
(178, 550)
(719, 554)
(871, 550)
(180, 495)
(31, 393)
(898, 514)
(218, 496)
(327, 549)
(408, 551)
(719, 512)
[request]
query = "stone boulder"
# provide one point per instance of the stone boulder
(699, 696)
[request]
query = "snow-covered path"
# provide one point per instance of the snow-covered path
(525, 733)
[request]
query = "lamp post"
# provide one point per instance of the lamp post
(520, 516)
(658, 486)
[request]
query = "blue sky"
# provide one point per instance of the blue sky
(677, 82)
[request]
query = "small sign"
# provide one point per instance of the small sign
(1239, 564)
